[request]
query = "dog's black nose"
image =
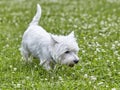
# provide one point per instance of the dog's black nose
(76, 61)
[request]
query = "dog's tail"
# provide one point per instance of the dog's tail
(37, 16)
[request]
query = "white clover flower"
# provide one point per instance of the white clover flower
(85, 76)
(116, 53)
(94, 38)
(18, 85)
(11, 66)
(75, 26)
(60, 78)
(83, 51)
(90, 82)
(82, 69)
(14, 69)
(70, 20)
(52, 77)
(98, 49)
(35, 66)
(118, 44)
(100, 83)
(95, 87)
(112, 62)
(107, 86)
(118, 58)
(84, 38)
(97, 44)
(62, 19)
(95, 52)
(102, 22)
(27, 77)
(113, 89)
(93, 78)
(7, 45)
(46, 79)
(106, 45)
(33, 85)
(89, 45)
(119, 73)
(103, 50)
(113, 46)
(108, 61)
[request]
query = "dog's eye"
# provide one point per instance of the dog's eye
(67, 52)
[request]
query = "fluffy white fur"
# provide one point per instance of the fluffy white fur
(48, 48)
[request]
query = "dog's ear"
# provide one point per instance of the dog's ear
(53, 39)
(71, 34)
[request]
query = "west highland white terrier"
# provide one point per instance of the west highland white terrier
(48, 48)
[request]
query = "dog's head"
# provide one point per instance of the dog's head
(65, 49)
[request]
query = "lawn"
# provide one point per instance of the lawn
(96, 24)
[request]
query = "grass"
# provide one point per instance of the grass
(97, 27)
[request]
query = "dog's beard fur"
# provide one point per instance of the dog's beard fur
(47, 47)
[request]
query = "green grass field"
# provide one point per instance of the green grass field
(96, 24)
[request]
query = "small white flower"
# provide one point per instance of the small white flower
(116, 53)
(11, 66)
(35, 66)
(7, 45)
(113, 46)
(52, 77)
(75, 26)
(83, 51)
(93, 78)
(118, 44)
(27, 77)
(18, 85)
(14, 69)
(102, 22)
(85, 76)
(119, 73)
(97, 49)
(100, 83)
(103, 50)
(70, 20)
(113, 89)
(108, 61)
(46, 79)
(107, 86)
(60, 78)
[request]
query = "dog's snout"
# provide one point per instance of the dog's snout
(76, 61)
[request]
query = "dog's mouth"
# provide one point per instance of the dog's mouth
(71, 65)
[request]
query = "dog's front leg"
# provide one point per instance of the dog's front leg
(45, 64)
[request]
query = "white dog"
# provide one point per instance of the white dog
(48, 48)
